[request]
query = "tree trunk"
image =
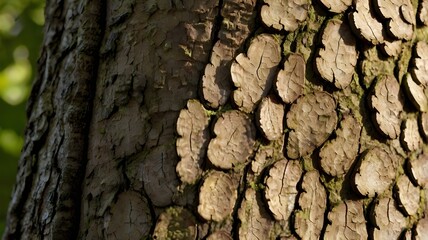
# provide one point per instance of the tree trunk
(227, 120)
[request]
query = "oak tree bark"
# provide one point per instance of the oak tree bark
(228, 119)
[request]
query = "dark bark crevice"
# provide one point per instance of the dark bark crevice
(92, 37)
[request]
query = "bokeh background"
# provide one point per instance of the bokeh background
(21, 32)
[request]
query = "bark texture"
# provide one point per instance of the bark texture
(221, 119)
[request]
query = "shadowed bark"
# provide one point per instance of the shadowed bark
(206, 119)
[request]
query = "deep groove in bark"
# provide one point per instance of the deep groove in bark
(217, 26)
(101, 19)
(242, 187)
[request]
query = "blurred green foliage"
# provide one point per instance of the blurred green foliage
(21, 32)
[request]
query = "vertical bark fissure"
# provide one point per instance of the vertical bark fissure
(216, 27)
(151, 209)
(242, 187)
(90, 34)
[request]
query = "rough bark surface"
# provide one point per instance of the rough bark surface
(281, 188)
(175, 223)
(192, 126)
(423, 124)
(336, 6)
(338, 154)
(270, 116)
(410, 137)
(389, 222)
(416, 93)
(284, 14)
(423, 12)
(421, 230)
(237, 24)
(234, 141)
(347, 222)
(418, 169)
(387, 103)
(290, 81)
(255, 222)
(130, 217)
(311, 115)
(364, 23)
(253, 73)
(217, 196)
(399, 17)
(309, 217)
(337, 60)
(375, 172)
(408, 195)
(419, 68)
(221, 119)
